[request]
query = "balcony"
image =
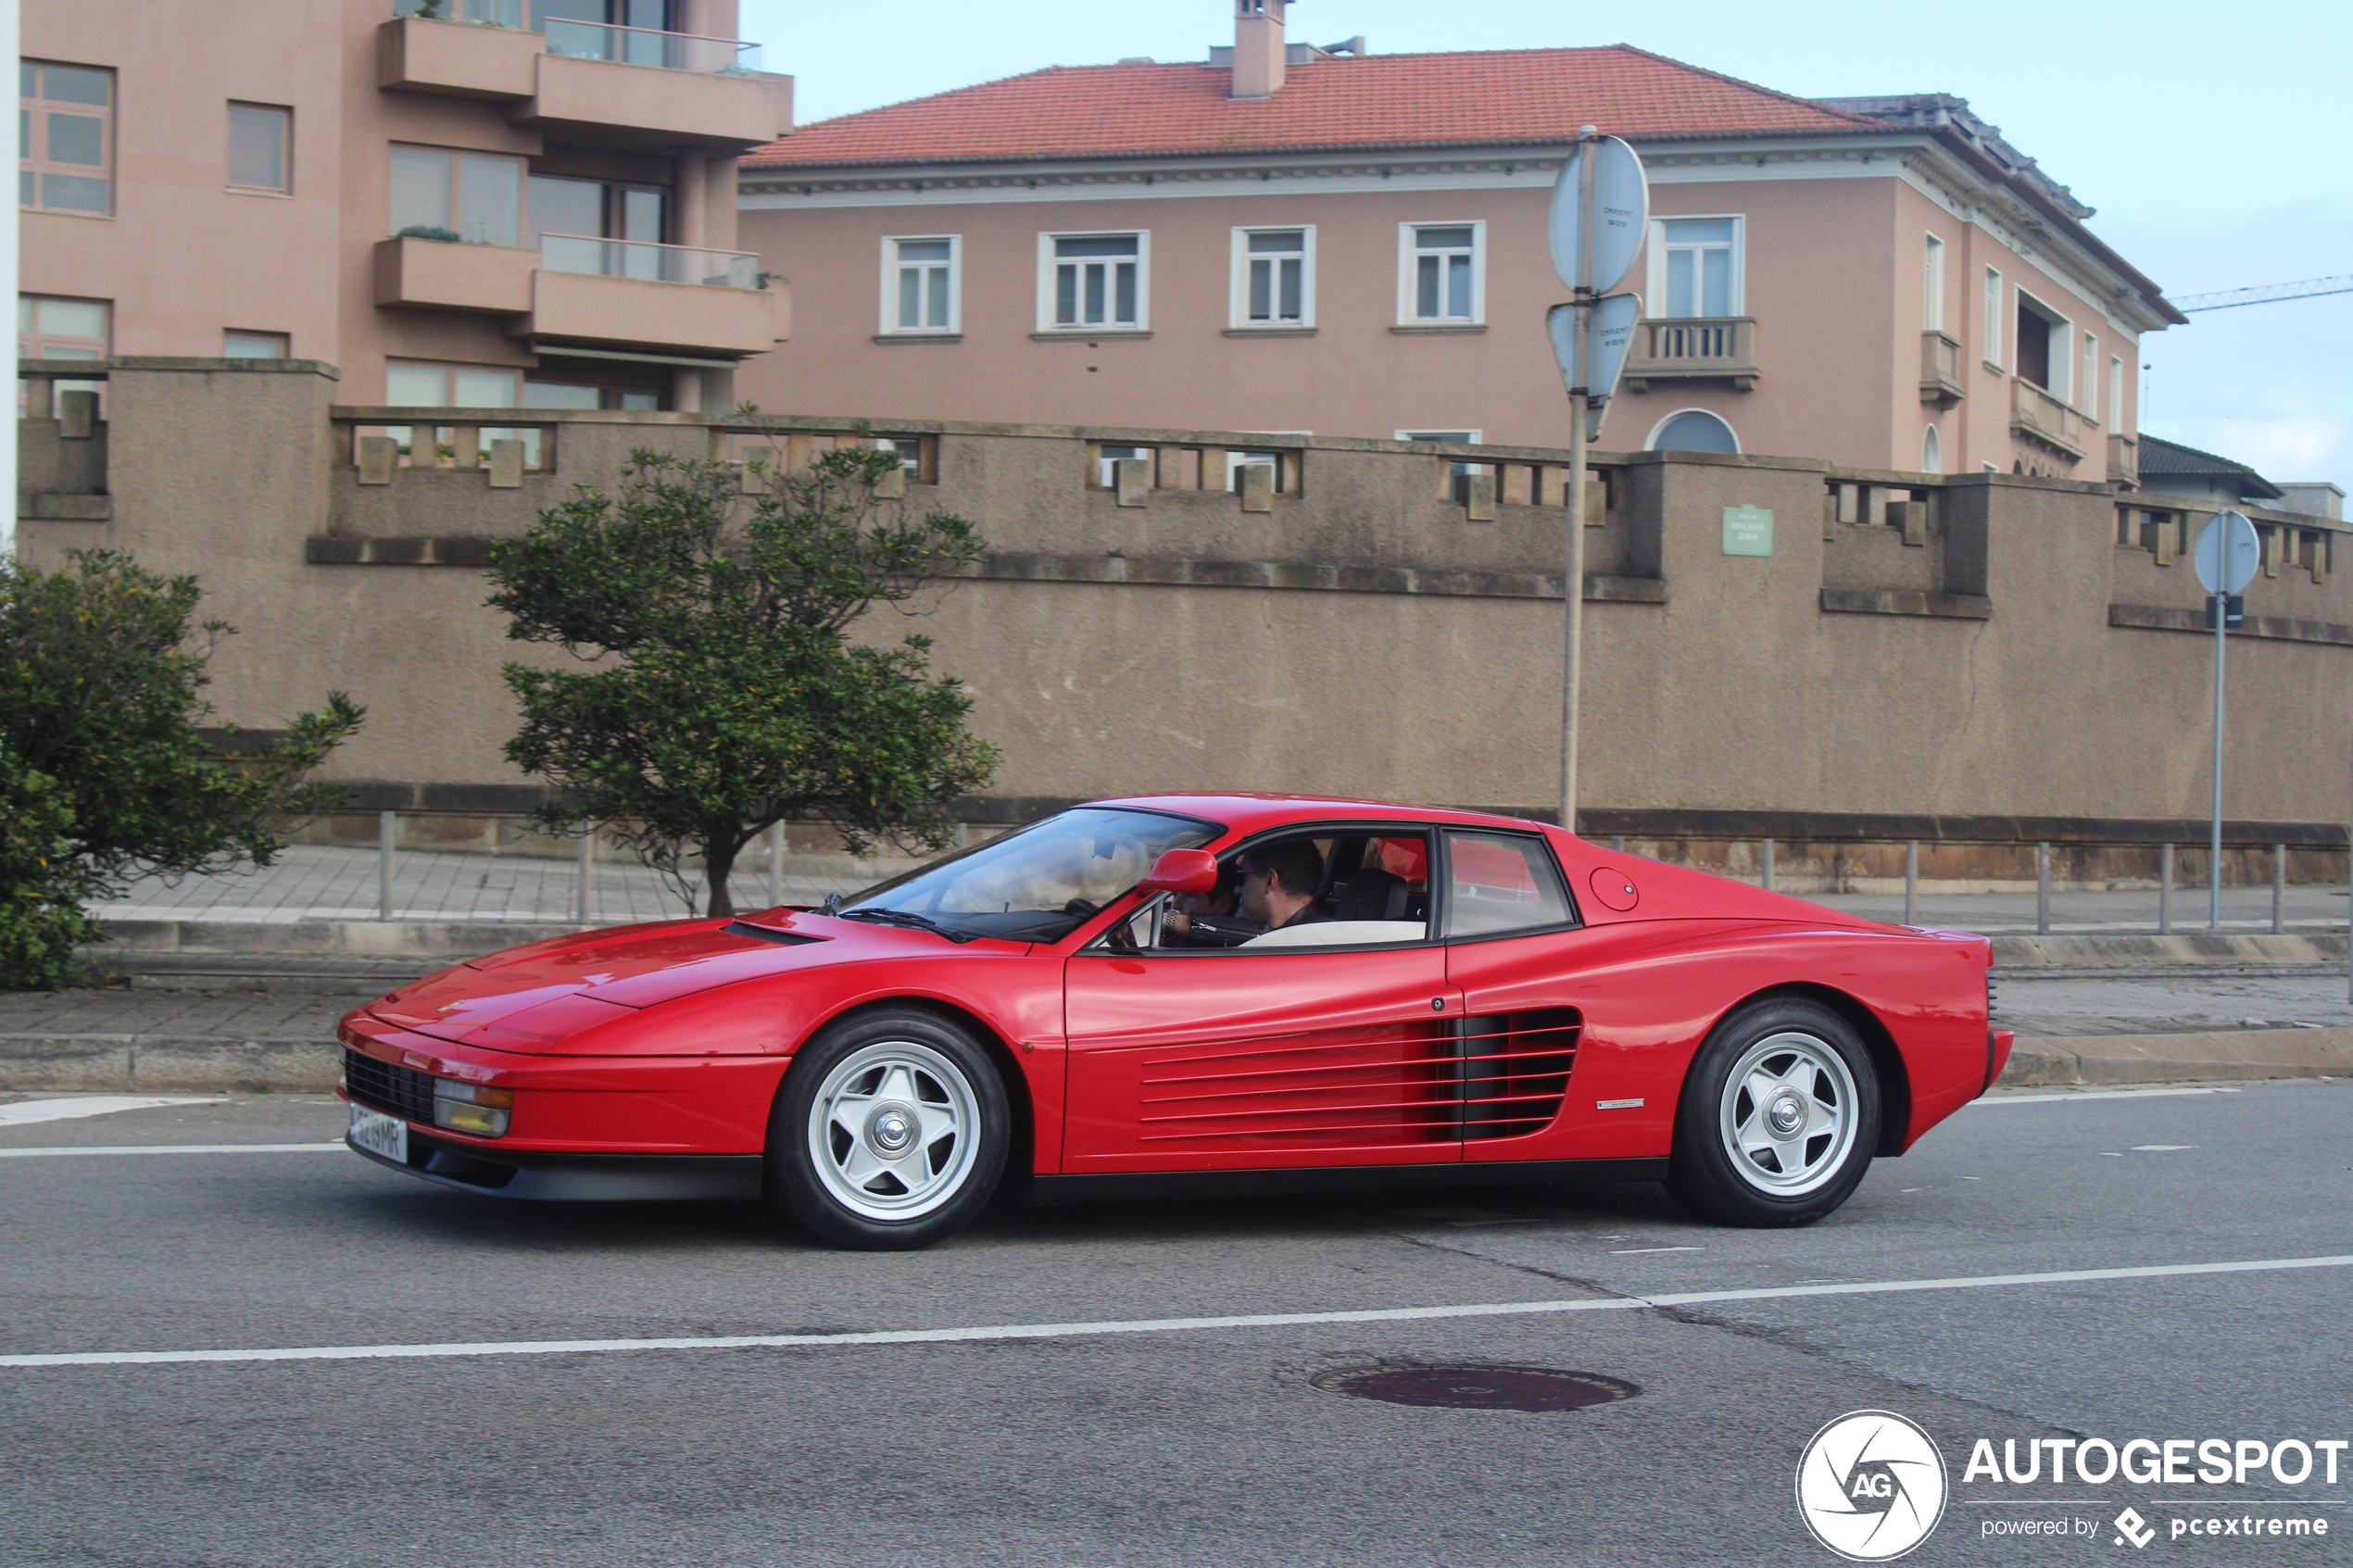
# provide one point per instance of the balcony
(2038, 416)
(1939, 370)
(581, 289)
(1693, 348)
(2124, 462)
(593, 84)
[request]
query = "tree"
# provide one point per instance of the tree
(725, 693)
(103, 773)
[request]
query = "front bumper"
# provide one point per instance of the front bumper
(605, 1178)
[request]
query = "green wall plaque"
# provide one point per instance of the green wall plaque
(1748, 531)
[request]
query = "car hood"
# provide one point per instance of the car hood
(526, 998)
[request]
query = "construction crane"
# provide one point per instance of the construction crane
(2264, 294)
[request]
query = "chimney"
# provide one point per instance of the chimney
(1259, 49)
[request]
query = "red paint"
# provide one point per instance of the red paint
(674, 1037)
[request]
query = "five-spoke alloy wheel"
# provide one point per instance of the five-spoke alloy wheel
(890, 1131)
(1780, 1116)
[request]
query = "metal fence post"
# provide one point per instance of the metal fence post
(775, 864)
(1911, 878)
(2279, 888)
(2164, 890)
(1617, 842)
(1765, 863)
(2041, 890)
(587, 878)
(387, 828)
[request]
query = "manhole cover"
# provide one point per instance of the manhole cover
(1477, 1388)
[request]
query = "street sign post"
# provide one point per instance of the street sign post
(1600, 205)
(2228, 555)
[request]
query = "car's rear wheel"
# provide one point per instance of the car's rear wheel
(889, 1132)
(1778, 1117)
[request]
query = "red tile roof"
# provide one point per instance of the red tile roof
(1486, 99)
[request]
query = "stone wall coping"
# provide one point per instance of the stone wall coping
(95, 370)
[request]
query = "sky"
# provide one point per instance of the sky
(2212, 141)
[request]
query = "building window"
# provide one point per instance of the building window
(260, 148)
(1444, 270)
(2044, 339)
(1993, 318)
(60, 329)
(1931, 452)
(1107, 467)
(1932, 285)
(2091, 375)
(1455, 471)
(1274, 278)
(578, 394)
(1098, 281)
(919, 286)
(1694, 430)
(439, 196)
(569, 221)
(1695, 267)
(2115, 392)
(253, 345)
(65, 128)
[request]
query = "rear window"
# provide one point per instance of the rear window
(1501, 881)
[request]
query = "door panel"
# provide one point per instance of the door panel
(1242, 1060)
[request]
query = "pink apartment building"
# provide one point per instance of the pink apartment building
(1289, 238)
(487, 203)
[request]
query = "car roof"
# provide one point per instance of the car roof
(1243, 812)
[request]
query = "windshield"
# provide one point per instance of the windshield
(1039, 884)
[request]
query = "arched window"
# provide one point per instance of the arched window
(1694, 430)
(1931, 452)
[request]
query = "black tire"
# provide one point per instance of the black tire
(913, 1139)
(1793, 1153)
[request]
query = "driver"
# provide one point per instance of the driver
(1207, 920)
(1280, 882)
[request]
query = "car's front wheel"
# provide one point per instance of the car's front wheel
(1778, 1117)
(889, 1132)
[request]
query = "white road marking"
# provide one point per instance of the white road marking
(1629, 1252)
(2161, 1147)
(1149, 1326)
(27, 1111)
(171, 1148)
(2098, 1093)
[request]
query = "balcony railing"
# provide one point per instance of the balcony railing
(1693, 348)
(2036, 413)
(1939, 370)
(653, 263)
(597, 41)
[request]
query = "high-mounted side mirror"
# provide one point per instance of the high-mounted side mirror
(1182, 871)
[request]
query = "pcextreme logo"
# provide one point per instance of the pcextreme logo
(1871, 1485)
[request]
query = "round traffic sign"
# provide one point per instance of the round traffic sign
(2227, 553)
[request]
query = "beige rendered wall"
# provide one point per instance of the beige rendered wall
(1833, 277)
(1736, 692)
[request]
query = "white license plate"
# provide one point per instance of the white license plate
(379, 1134)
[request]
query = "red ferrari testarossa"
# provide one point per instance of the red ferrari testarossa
(1192, 994)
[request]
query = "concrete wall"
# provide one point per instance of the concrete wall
(1991, 664)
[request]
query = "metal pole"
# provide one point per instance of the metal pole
(388, 827)
(2041, 890)
(1911, 878)
(2214, 870)
(2164, 890)
(1618, 843)
(775, 864)
(587, 878)
(2279, 888)
(1766, 863)
(1573, 586)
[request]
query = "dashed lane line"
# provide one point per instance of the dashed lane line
(1147, 1326)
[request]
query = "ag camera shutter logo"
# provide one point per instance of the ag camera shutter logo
(1871, 1486)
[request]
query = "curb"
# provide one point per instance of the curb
(2063, 1061)
(357, 938)
(2020, 954)
(152, 1065)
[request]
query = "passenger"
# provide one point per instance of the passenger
(1280, 883)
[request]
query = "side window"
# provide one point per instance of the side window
(1502, 882)
(1318, 890)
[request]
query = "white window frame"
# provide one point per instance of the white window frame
(1240, 458)
(2116, 390)
(1993, 336)
(1932, 285)
(1238, 304)
(2060, 335)
(891, 266)
(2090, 383)
(1407, 253)
(1650, 441)
(1047, 264)
(284, 117)
(1655, 272)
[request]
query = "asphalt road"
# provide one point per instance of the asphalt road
(1202, 1445)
